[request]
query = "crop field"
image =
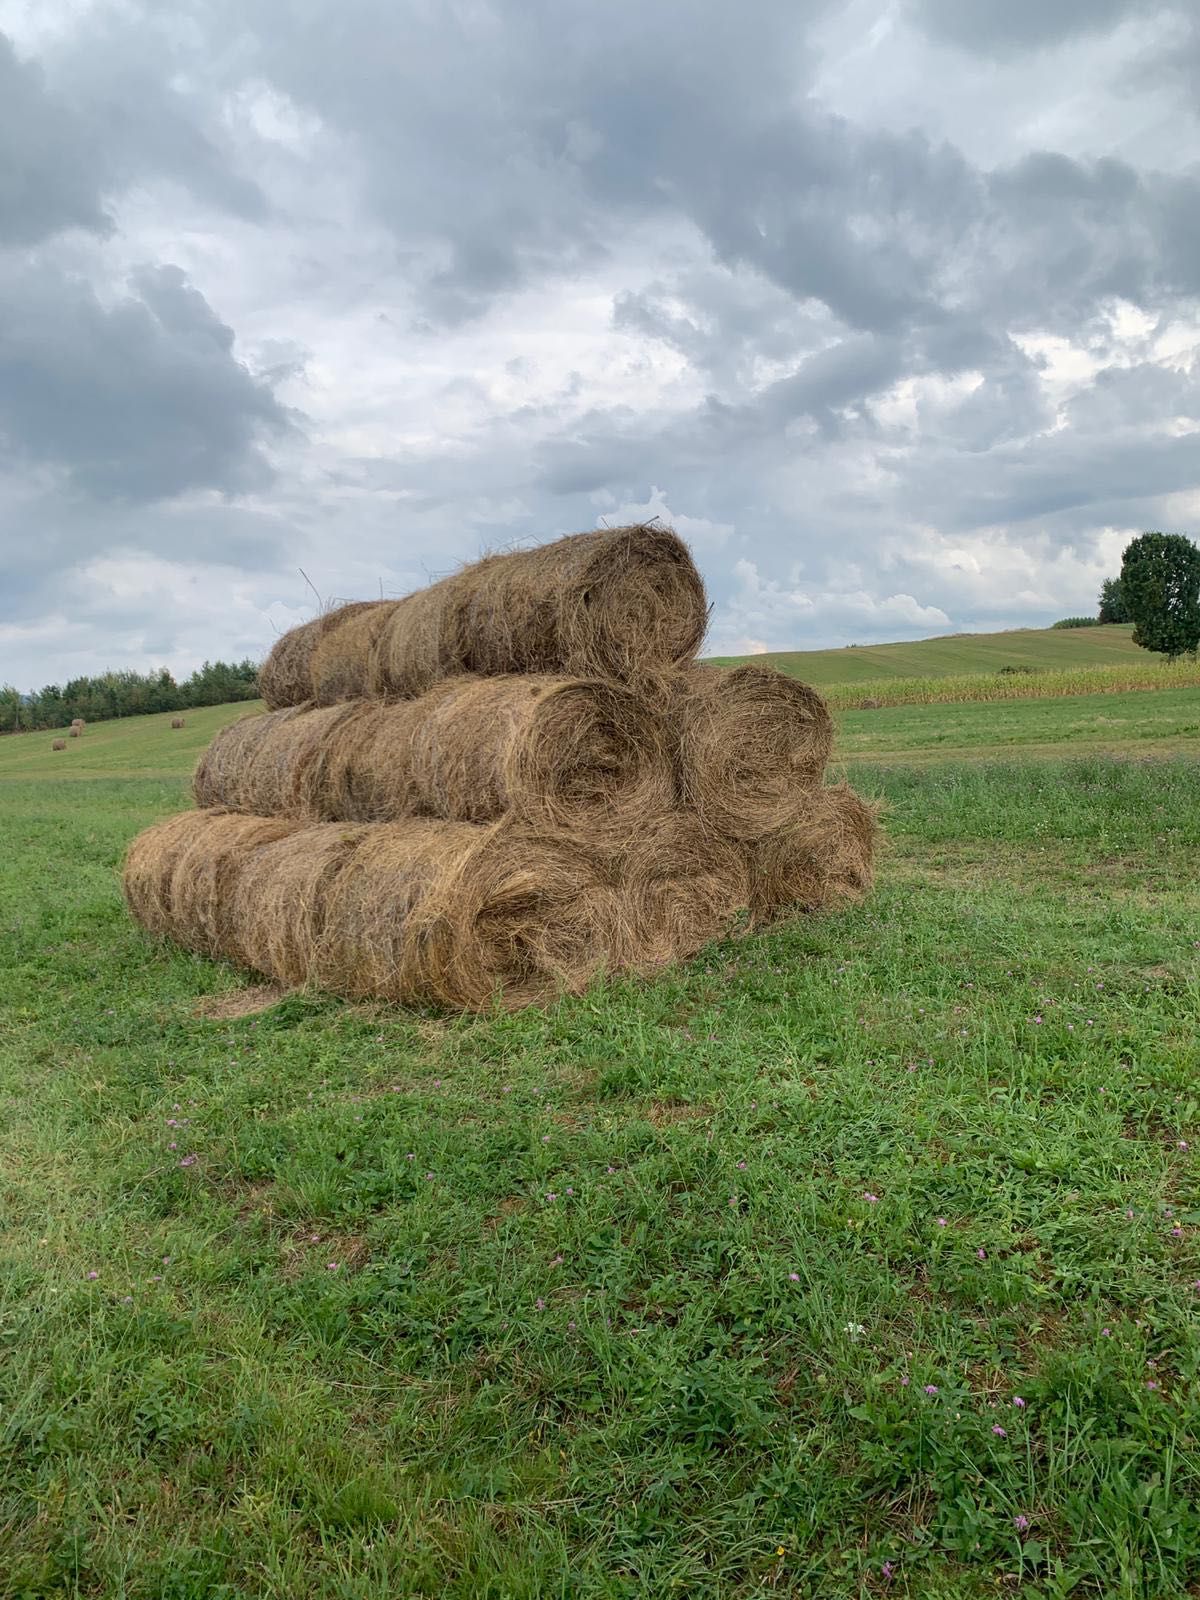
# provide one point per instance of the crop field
(856, 1258)
(1032, 684)
(954, 655)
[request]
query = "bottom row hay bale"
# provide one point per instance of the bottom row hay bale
(58, 744)
(465, 915)
(424, 910)
(825, 857)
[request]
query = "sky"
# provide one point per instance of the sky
(891, 309)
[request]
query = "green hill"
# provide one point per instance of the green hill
(1111, 645)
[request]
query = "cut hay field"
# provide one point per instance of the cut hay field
(861, 1258)
(1062, 649)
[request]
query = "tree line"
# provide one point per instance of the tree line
(125, 694)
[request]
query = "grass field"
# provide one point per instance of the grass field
(960, 653)
(860, 1258)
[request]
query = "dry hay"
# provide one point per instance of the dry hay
(78, 722)
(752, 744)
(58, 744)
(179, 874)
(236, 1003)
(682, 888)
(177, 722)
(73, 732)
(558, 753)
(613, 603)
(256, 764)
(344, 663)
(825, 856)
(285, 677)
(412, 911)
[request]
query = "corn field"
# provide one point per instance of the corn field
(1051, 683)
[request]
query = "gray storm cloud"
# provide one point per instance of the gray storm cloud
(364, 294)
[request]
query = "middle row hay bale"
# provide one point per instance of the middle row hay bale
(741, 748)
(613, 603)
(752, 744)
(559, 753)
(425, 910)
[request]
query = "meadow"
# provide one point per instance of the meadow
(957, 654)
(860, 1257)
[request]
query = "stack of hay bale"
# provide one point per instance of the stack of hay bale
(503, 785)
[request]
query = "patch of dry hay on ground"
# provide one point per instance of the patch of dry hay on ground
(236, 1003)
(826, 856)
(752, 743)
(285, 677)
(557, 753)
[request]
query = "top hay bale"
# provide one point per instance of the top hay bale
(616, 603)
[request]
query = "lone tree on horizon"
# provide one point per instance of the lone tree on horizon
(1160, 584)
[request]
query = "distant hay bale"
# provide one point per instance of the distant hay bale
(177, 722)
(78, 722)
(869, 704)
(752, 743)
(74, 733)
(413, 911)
(58, 744)
(614, 603)
(558, 753)
(285, 677)
(825, 856)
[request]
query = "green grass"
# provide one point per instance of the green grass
(1132, 723)
(640, 1295)
(958, 654)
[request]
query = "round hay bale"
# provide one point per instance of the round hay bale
(177, 722)
(467, 916)
(682, 886)
(413, 911)
(827, 855)
(78, 722)
(74, 732)
(58, 744)
(752, 745)
(870, 704)
(264, 763)
(613, 603)
(559, 753)
(345, 664)
(179, 875)
(285, 677)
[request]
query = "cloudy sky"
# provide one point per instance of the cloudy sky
(891, 308)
